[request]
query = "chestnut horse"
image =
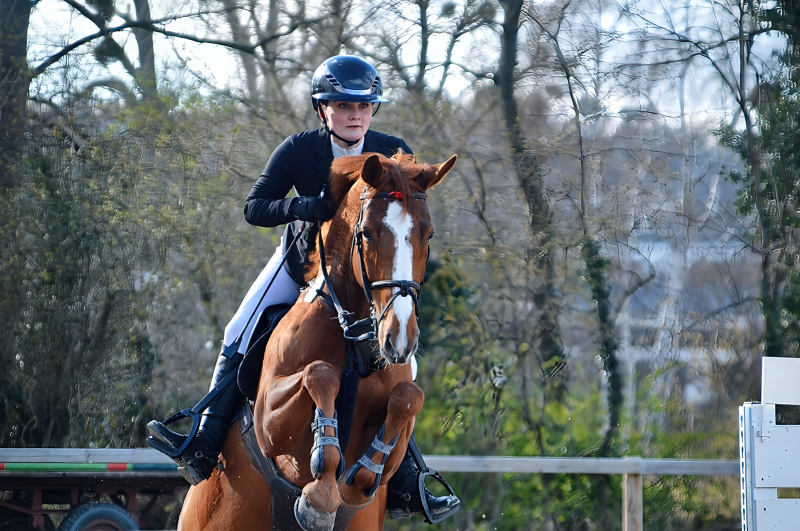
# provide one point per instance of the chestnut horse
(379, 201)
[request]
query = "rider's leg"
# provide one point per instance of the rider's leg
(200, 456)
(283, 291)
(404, 498)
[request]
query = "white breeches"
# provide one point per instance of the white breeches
(283, 291)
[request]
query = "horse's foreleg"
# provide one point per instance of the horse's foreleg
(405, 401)
(290, 410)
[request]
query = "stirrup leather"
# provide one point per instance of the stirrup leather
(366, 461)
(194, 466)
(196, 414)
(321, 441)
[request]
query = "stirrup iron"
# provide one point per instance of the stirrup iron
(424, 471)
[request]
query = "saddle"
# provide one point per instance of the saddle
(250, 368)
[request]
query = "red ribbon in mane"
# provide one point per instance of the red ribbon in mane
(396, 195)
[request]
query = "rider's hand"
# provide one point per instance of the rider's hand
(311, 209)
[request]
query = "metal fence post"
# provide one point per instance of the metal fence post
(632, 503)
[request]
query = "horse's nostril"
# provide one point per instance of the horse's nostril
(387, 344)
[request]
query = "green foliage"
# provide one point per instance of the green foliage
(672, 430)
(481, 400)
(73, 306)
(106, 249)
(779, 146)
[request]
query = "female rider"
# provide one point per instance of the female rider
(343, 91)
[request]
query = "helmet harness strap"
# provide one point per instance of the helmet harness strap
(348, 142)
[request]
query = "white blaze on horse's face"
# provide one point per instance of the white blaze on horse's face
(404, 339)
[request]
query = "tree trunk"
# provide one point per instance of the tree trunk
(273, 89)
(512, 9)
(14, 80)
(146, 74)
(241, 35)
(424, 37)
(548, 334)
(331, 30)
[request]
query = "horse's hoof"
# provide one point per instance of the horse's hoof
(311, 519)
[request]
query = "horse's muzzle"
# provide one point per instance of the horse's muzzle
(392, 354)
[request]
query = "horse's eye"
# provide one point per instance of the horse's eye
(366, 234)
(430, 237)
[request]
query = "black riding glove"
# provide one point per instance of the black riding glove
(311, 209)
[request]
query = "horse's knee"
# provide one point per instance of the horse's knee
(322, 381)
(406, 399)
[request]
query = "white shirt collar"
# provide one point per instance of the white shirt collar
(339, 151)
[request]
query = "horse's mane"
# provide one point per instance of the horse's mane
(399, 174)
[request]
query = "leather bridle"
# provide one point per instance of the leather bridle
(406, 288)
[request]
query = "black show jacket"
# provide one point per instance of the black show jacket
(302, 162)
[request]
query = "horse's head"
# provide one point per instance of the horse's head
(391, 244)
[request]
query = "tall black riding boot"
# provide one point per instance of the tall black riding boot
(198, 459)
(407, 488)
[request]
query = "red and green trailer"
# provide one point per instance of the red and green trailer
(88, 489)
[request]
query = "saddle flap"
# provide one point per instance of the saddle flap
(250, 369)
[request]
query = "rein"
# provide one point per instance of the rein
(406, 288)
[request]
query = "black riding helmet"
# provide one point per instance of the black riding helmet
(346, 78)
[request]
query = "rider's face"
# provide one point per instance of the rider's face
(349, 120)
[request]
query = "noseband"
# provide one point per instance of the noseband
(406, 288)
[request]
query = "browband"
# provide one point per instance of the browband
(392, 195)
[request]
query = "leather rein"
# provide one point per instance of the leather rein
(406, 288)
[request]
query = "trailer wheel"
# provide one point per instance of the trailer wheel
(99, 516)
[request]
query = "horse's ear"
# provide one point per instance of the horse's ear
(433, 175)
(372, 171)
